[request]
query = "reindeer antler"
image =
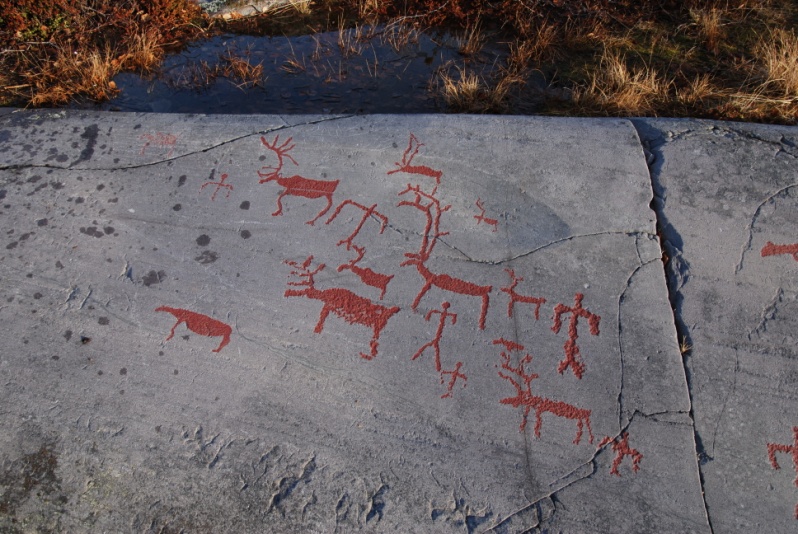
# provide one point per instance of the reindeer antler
(303, 271)
(281, 151)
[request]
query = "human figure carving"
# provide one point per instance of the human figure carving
(219, 185)
(622, 448)
(295, 185)
(521, 380)
(572, 353)
(347, 305)
(199, 324)
(435, 345)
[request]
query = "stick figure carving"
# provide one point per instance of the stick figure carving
(521, 380)
(435, 344)
(199, 324)
(622, 448)
(219, 185)
(572, 353)
(296, 185)
(347, 305)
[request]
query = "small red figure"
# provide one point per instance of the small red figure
(367, 275)
(296, 185)
(621, 448)
(347, 305)
(572, 353)
(407, 160)
(432, 211)
(772, 250)
(455, 374)
(159, 139)
(515, 297)
(436, 341)
(531, 402)
(219, 185)
(792, 450)
(481, 217)
(199, 324)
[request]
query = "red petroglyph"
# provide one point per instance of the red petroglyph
(515, 297)
(199, 324)
(296, 185)
(572, 353)
(367, 214)
(541, 405)
(481, 217)
(792, 450)
(435, 344)
(347, 305)
(367, 275)
(621, 448)
(433, 211)
(159, 139)
(219, 185)
(771, 249)
(407, 159)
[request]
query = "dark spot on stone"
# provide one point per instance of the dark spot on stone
(244, 205)
(90, 135)
(160, 353)
(395, 145)
(177, 207)
(246, 234)
(186, 337)
(41, 222)
(158, 428)
(61, 158)
(37, 295)
(108, 230)
(113, 200)
(54, 358)
(3, 193)
(79, 200)
(12, 245)
(25, 236)
(137, 127)
(68, 335)
(181, 180)
(34, 179)
(29, 275)
(56, 185)
(91, 231)
(31, 474)
(85, 340)
(99, 373)
(103, 321)
(100, 187)
(123, 371)
(262, 158)
(175, 372)
(153, 278)
(121, 391)
(207, 256)
(373, 164)
(203, 240)
(59, 264)
(74, 145)
(116, 160)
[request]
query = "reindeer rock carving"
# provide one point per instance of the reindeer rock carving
(296, 185)
(199, 324)
(347, 305)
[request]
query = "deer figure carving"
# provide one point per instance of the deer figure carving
(367, 275)
(432, 211)
(347, 305)
(518, 375)
(199, 324)
(295, 185)
(406, 165)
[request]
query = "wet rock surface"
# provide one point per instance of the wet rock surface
(388, 323)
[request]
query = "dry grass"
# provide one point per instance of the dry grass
(472, 40)
(470, 92)
(620, 89)
(778, 59)
(709, 24)
(238, 68)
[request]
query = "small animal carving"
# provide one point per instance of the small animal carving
(199, 324)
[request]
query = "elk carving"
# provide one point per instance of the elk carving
(432, 210)
(367, 275)
(406, 165)
(296, 185)
(347, 305)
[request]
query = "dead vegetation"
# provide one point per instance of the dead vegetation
(706, 58)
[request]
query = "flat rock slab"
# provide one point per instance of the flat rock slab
(728, 198)
(321, 324)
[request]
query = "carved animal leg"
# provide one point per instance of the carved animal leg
(322, 212)
(484, 313)
(420, 295)
(224, 342)
(374, 344)
(172, 332)
(279, 205)
(325, 311)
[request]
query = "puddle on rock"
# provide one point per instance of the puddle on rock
(333, 72)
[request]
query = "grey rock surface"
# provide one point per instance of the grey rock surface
(474, 335)
(727, 195)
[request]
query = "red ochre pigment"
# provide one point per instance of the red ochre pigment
(407, 159)
(515, 297)
(219, 185)
(572, 353)
(160, 139)
(199, 324)
(621, 448)
(773, 250)
(481, 217)
(792, 450)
